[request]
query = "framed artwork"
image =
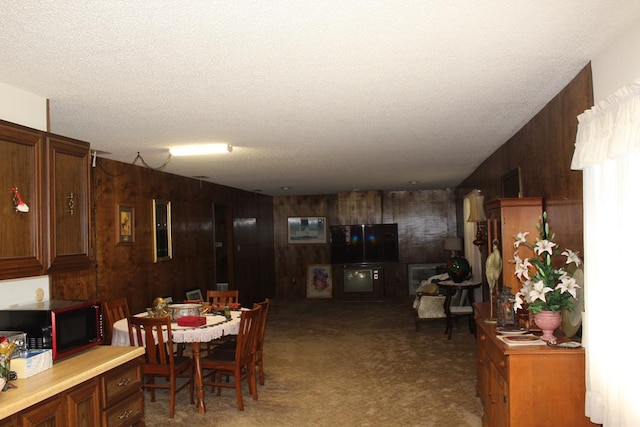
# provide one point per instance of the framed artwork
(125, 229)
(511, 183)
(162, 247)
(194, 295)
(319, 282)
(307, 230)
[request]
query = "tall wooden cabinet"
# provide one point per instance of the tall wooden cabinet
(51, 174)
(505, 219)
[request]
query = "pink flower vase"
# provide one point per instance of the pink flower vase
(548, 321)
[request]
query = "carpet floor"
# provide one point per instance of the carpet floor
(347, 363)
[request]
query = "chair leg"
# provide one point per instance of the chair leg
(239, 393)
(253, 386)
(261, 371)
(172, 396)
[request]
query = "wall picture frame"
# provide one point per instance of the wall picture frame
(319, 281)
(125, 225)
(161, 217)
(194, 295)
(307, 230)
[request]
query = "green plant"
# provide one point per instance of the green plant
(544, 287)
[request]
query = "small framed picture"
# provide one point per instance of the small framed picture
(307, 230)
(194, 295)
(125, 225)
(319, 282)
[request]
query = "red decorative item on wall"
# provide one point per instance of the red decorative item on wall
(17, 201)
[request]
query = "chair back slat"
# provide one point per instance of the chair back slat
(222, 297)
(264, 306)
(247, 335)
(114, 310)
(158, 343)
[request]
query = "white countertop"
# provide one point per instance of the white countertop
(64, 374)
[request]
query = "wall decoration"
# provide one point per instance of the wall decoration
(307, 230)
(319, 282)
(194, 295)
(161, 212)
(125, 225)
(511, 183)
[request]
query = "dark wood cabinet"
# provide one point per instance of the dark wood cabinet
(51, 174)
(21, 246)
(67, 163)
(104, 389)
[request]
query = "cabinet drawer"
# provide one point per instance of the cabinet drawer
(125, 413)
(120, 382)
(500, 360)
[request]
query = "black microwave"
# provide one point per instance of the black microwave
(65, 327)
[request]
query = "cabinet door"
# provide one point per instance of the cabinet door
(21, 245)
(83, 405)
(505, 219)
(499, 398)
(68, 173)
(48, 414)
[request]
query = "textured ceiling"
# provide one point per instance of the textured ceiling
(318, 96)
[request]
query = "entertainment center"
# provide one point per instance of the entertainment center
(359, 254)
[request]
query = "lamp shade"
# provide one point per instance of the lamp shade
(476, 209)
(453, 243)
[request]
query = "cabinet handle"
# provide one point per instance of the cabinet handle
(124, 381)
(502, 364)
(125, 414)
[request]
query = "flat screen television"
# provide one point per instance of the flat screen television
(364, 243)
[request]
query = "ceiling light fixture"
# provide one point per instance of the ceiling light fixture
(199, 150)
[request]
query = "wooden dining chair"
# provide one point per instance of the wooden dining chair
(221, 298)
(239, 364)
(114, 310)
(160, 360)
(229, 346)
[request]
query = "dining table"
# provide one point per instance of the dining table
(216, 327)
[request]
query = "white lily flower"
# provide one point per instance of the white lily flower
(568, 284)
(544, 246)
(520, 238)
(572, 257)
(522, 268)
(538, 291)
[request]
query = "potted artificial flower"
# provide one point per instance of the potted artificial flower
(547, 290)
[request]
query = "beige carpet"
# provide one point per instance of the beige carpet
(340, 363)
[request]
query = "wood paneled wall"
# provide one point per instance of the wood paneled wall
(128, 269)
(424, 219)
(543, 150)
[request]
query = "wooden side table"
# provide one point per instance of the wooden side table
(456, 311)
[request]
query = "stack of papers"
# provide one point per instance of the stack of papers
(527, 339)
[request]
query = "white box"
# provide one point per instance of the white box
(32, 362)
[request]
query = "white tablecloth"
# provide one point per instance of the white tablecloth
(216, 327)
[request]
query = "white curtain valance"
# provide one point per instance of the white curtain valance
(609, 129)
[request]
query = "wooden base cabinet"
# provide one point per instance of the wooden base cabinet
(112, 399)
(528, 386)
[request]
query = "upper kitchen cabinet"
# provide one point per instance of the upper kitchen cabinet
(44, 202)
(22, 252)
(67, 171)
